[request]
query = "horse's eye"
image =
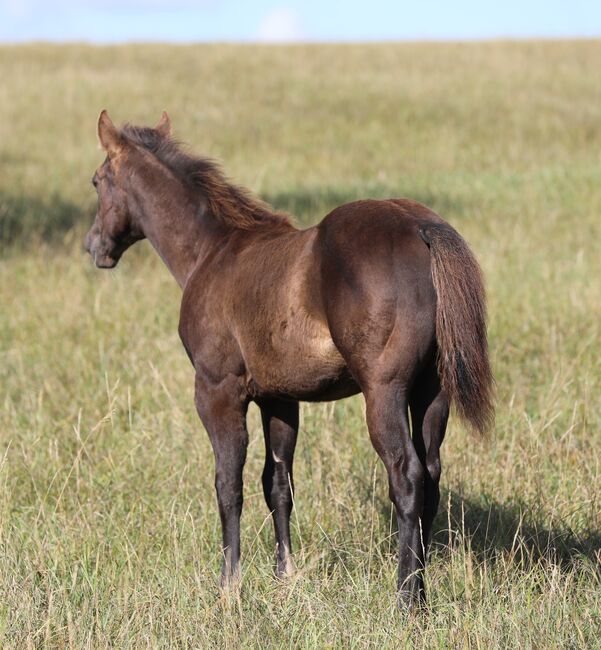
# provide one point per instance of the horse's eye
(95, 182)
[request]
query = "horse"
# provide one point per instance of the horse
(382, 297)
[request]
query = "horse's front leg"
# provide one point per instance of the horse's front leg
(222, 409)
(280, 426)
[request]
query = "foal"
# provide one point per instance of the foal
(381, 297)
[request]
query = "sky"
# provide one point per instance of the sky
(105, 21)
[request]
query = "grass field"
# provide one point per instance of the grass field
(109, 531)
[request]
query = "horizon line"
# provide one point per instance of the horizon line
(295, 42)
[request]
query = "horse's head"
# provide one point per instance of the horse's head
(115, 229)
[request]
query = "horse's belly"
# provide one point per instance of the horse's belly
(304, 365)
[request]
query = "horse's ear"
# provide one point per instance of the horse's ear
(110, 139)
(164, 125)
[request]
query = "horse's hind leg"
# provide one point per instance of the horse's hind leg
(388, 424)
(429, 414)
(280, 426)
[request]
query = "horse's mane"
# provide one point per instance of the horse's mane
(230, 203)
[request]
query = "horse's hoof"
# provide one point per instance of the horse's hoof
(231, 585)
(412, 603)
(285, 569)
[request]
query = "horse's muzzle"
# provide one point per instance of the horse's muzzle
(102, 259)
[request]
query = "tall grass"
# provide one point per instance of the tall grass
(109, 531)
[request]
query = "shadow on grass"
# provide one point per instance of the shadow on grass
(309, 205)
(26, 217)
(494, 528)
(492, 531)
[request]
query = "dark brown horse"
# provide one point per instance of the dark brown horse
(382, 297)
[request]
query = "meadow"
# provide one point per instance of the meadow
(109, 531)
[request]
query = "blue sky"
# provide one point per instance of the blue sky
(294, 20)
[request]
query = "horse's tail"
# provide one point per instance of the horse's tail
(463, 363)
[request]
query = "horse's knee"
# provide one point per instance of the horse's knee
(229, 492)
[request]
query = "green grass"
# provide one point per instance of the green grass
(109, 530)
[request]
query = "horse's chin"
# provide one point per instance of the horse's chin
(105, 261)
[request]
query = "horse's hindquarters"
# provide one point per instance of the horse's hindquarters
(377, 291)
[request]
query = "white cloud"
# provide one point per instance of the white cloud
(281, 24)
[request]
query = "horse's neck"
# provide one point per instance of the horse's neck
(172, 222)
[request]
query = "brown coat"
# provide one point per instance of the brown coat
(381, 297)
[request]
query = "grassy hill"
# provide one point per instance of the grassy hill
(109, 531)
